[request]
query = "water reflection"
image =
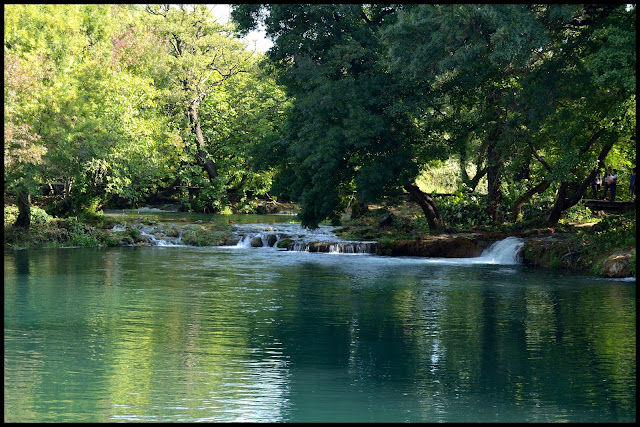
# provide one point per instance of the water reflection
(225, 334)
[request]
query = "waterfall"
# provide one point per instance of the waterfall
(157, 237)
(333, 247)
(353, 248)
(259, 239)
(299, 239)
(507, 251)
(295, 238)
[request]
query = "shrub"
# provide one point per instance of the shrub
(10, 215)
(202, 236)
(134, 233)
(38, 215)
(83, 239)
(463, 211)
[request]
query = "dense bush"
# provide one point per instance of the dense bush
(38, 215)
(48, 231)
(463, 211)
(593, 244)
(205, 236)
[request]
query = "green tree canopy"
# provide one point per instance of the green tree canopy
(344, 130)
(537, 93)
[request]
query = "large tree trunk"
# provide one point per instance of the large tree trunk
(24, 211)
(562, 201)
(520, 201)
(428, 206)
(494, 184)
(556, 211)
(203, 157)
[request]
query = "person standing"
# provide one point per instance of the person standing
(613, 183)
(632, 185)
(595, 185)
(606, 183)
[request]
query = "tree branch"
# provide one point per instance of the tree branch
(537, 156)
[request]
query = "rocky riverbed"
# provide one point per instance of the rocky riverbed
(541, 247)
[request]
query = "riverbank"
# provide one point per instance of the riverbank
(606, 248)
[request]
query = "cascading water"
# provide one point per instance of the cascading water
(507, 251)
(155, 235)
(298, 239)
(294, 237)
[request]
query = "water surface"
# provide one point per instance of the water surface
(256, 334)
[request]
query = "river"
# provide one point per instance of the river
(242, 334)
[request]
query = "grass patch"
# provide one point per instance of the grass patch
(211, 235)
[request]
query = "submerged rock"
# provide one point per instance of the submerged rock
(231, 240)
(256, 242)
(271, 239)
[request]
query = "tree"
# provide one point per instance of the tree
(580, 102)
(22, 158)
(23, 149)
(95, 113)
(531, 86)
(236, 117)
(343, 131)
(462, 67)
(116, 95)
(203, 57)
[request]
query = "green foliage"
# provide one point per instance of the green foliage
(578, 213)
(134, 233)
(119, 102)
(342, 130)
(613, 233)
(220, 103)
(463, 212)
(99, 121)
(38, 215)
(236, 118)
(444, 177)
(403, 226)
(505, 86)
(204, 236)
(10, 214)
(534, 212)
(47, 231)
(94, 100)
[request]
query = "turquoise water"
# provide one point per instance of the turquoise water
(257, 334)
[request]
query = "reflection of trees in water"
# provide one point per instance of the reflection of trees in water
(212, 334)
(512, 343)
